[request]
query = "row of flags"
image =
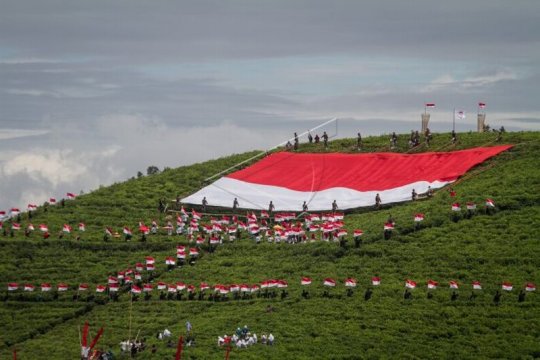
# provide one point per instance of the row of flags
(113, 285)
(472, 206)
(32, 207)
(481, 105)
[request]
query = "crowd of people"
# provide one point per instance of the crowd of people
(243, 338)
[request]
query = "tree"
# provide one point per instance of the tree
(139, 174)
(152, 170)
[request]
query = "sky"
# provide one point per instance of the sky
(92, 92)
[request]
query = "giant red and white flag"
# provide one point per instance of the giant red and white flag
(289, 179)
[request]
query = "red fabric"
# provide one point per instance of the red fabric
(362, 172)
(84, 341)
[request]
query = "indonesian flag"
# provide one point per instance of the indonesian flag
(282, 284)
(144, 229)
(341, 233)
(183, 211)
(45, 287)
(161, 286)
(2, 213)
(223, 289)
(204, 286)
(507, 286)
(245, 288)
(530, 287)
(375, 281)
(139, 266)
(14, 212)
(52, 201)
(350, 282)
(225, 220)
(254, 288)
(112, 280)
(193, 252)
(195, 215)
(66, 228)
(432, 284)
(216, 228)
(171, 288)
(149, 260)
(305, 281)
(471, 206)
(214, 241)
(147, 287)
(150, 267)
(100, 288)
(430, 105)
(358, 232)
(108, 231)
(234, 288)
(62, 287)
(453, 284)
(273, 283)
(181, 254)
(170, 260)
(121, 274)
(264, 284)
(264, 214)
(251, 216)
(114, 287)
(410, 284)
(13, 286)
(313, 227)
(32, 207)
(490, 203)
(180, 286)
(71, 196)
(138, 276)
(419, 217)
(127, 231)
(15, 226)
(30, 227)
(288, 179)
(388, 226)
(83, 287)
(481, 105)
(29, 287)
(190, 288)
(82, 227)
(329, 282)
(135, 289)
(456, 207)
(476, 285)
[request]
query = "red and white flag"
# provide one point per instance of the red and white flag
(410, 284)
(135, 289)
(419, 217)
(83, 287)
(66, 228)
(171, 288)
(170, 260)
(282, 284)
(195, 215)
(264, 214)
(52, 201)
(234, 288)
(13, 286)
(180, 286)
(358, 232)
(150, 267)
(46, 287)
(490, 203)
(530, 287)
(460, 114)
(350, 282)
(388, 226)
(190, 288)
(147, 287)
(287, 178)
(149, 260)
(138, 276)
(143, 229)
(482, 105)
(30, 227)
(471, 206)
(82, 227)
(127, 231)
(70, 196)
(453, 284)
(375, 281)
(193, 252)
(456, 207)
(112, 280)
(181, 254)
(305, 281)
(161, 285)
(204, 286)
(342, 233)
(14, 212)
(476, 285)
(15, 226)
(139, 266)
(62, 287)
(114, 287)
(432, 284)
(101, 288)
(29, 287)
(329, 282)
(507, 286)
(245, 288)
(255, 288)
(32, 207)
(108, 231)
(430, 105)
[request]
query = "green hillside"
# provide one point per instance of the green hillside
(500, 246)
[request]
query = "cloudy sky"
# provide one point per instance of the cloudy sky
(91, 92)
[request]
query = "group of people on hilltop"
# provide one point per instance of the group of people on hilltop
(311, 139)
(243, 338)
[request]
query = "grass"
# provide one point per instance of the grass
(491, 248)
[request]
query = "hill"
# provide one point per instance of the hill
(495, 247)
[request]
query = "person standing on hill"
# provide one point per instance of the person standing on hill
(377, 201)
(310, 137)
(271, 207)
(204, 204)
(235, 204)
(304, 207)
(325, 139)
(334, 206)
(317, 139)
(359, 141)
(295, 141)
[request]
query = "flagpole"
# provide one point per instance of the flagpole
(454, 121)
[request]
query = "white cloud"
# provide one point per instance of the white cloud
(18, 133)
